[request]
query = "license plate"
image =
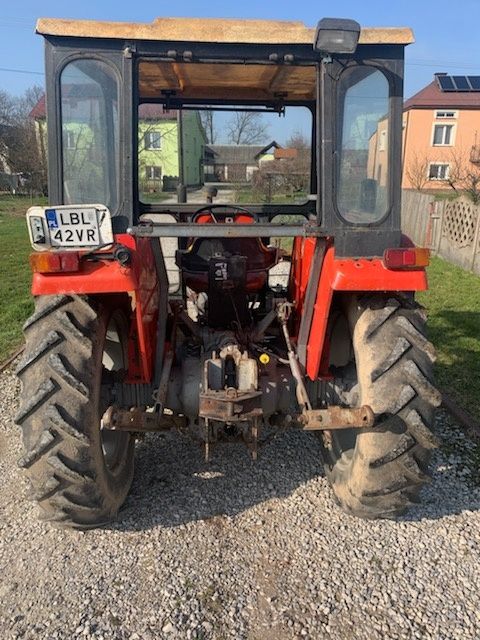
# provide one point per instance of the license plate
(73, 227)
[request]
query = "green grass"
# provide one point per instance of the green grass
(159, 196)
(453, 306)
(16, 301)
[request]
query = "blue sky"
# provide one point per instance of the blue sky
(446, 33)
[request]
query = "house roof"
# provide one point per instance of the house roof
(156, 112)
(432, 97)
(286, 154)
(237, 153)
(210, 30)
(38, 110)
(271, 145)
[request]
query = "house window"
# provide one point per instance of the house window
(382, 144)
(445, 114)
(438, 171)
(442, 134)
(69, 140)
(153, 173)
(153, 140)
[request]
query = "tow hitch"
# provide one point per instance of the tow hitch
(333, 417)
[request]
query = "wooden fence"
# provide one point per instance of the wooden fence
(451, 229)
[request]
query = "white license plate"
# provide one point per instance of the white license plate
(73, 227)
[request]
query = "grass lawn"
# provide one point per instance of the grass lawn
(16, 302)
(453, 306)
(159, 196)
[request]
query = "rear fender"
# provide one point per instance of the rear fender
(103, 278)
(350, 274)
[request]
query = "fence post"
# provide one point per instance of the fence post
(476, 239)
(439, 216)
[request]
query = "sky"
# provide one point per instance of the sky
(446, 33)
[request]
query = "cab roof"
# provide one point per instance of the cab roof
(210, 30)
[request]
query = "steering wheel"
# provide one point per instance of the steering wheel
(233, 210)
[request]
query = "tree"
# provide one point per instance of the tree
(7, 108)
(287, 175)
(6, 120)
(246, 127)
(206, 118)
(20, 147)
(464, 175)
(297, 141)
(417, 171)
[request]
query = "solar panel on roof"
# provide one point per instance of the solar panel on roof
(474, 82)
(446, 83)
(461, 83)
(458, 83)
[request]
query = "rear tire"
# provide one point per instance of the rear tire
(378, 472)
(80, 475)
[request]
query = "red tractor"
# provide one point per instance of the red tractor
(280, 296)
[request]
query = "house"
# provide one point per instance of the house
(38, 115)
(158, 155)
(441, 131)
(235, 162)
(288, 171)
(377, 160)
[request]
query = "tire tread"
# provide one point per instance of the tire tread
(384, 472)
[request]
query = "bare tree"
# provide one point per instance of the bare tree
(19, 144)
(417, 171)
(464, 175)
(246, 127)
(297, 141)
(288, 175)
(7, 108)
(207, 120)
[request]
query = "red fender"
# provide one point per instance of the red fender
(138, 279)
(347, 274)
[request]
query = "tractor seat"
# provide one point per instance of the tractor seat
(197, 256)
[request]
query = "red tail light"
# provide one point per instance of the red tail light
(406, 258)
(49, 262)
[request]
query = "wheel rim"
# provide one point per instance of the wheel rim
(114, 360)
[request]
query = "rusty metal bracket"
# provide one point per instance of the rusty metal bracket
(137, 420)
(335, 417)
(230, 405)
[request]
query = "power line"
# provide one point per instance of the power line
(34, 73)
(27, 24)
(16, 18)
(447, 65)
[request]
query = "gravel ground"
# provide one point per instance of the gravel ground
(241, 550)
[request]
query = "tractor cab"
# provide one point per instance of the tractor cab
(148, 119)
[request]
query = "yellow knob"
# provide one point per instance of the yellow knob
(264, 358)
